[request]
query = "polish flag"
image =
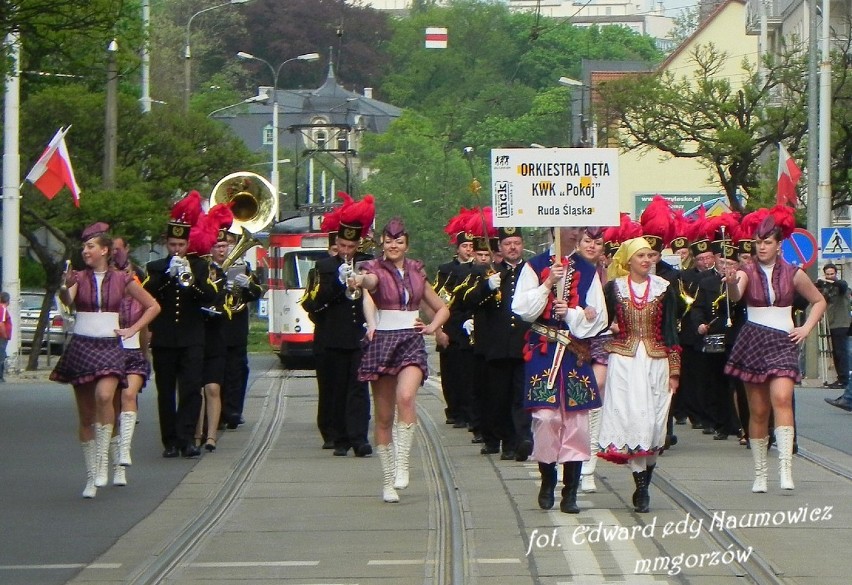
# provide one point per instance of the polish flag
(436, 38)
(53, 170)
(788, 175)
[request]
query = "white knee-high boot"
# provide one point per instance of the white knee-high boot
(405, 437)
(103, 433)
(126, 426)
(784, 441)
(119, 477)
(758, 454)
(587, 475)
(90, 458)
(388, 470)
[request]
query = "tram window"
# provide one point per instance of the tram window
(297, 264)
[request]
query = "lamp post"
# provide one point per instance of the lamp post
(187, 53)
(273, 176)
(568, 82)
(111, 122)
(250, 100)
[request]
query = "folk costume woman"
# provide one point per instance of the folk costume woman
(564, 301)
(644, 364)
(765, 355)
(395, 358)
(94, 362)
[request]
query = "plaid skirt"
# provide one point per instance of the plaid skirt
(87, 359)
(135, 363)
(760, 353)
(390, 351)
(596, 348)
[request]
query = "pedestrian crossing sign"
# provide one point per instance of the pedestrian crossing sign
(835, 242)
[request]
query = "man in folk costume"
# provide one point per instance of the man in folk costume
(181, 284)
(338, 317)
(563, 299)
(453, 342)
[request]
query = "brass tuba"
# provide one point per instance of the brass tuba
(252, 198)
(234, 265)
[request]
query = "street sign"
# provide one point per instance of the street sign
(836, 242)
(800, 249)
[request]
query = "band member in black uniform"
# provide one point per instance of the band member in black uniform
(338, 316)
(241, 289)
(452, 341)
(692, 358)
(214, 350)
(182, 286)
(325, 408)
(711, 312)
(504, 417)
(478, 322)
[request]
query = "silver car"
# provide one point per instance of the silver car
(60, 324)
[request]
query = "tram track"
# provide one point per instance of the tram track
(187, 542)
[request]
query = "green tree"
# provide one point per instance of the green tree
(728, 129)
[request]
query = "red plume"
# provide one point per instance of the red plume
(202, 236)
(656, 219)
(474, 223)
(361, 212)
(785, 219)
(680, 225)
(696, 229)
(457, 224)
(730, 220)
(748, 226)
(628, 229)
(188, 209)
(221, 216)
(331, 220)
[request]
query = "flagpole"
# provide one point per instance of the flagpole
(12, 193)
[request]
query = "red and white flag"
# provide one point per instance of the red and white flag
(53, 170)
(788, 175)
(436, 37)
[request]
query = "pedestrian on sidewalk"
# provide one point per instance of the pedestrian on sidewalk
(395, 357)
(836, 293)
(5, 331)
(765, 355)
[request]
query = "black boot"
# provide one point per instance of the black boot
(571, 479)
(641, 498)
(548, 484)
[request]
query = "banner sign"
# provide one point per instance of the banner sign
(549, 187)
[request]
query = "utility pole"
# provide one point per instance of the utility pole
(111, 123)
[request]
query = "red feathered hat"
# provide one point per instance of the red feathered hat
(356, 219)
(221, 216)
(680, 229)
(480, 224)
(780, 222)
(184, 215)
(700, 233)
(457, 227)
(744, 234)
(331, 220)
(656, 221)
(729, 221)
(202, 236)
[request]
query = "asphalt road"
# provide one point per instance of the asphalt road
(47, 530)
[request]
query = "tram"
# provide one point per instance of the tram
(295, 244)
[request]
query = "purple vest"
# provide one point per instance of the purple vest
(390, 293)
(757, 291)
(112, 291)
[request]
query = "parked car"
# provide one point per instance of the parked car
(60, 324)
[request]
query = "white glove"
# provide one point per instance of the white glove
(494, 281)
(176, 266)
(241, 280)
(468, 327)
(343, 273)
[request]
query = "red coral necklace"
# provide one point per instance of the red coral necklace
(636, 301)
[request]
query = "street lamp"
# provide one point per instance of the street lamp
(569, 82)
(274, 177)
(250, 100)
(187, 53)
(111, 122)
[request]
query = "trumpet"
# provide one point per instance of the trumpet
(353, 293)
(234, 265)
(181, 270)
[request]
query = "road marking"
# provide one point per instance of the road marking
(505, 561)
(396, 562)
(60, 567)
(240, 564)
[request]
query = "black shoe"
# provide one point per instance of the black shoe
(477, 438)
(170, 452)
(507, 456)
(840, 403)
(363, 450)
(680, 421)
(548, 484)
(707, 430)
(720, 436)
(837, 385)
(450, 421)
(328, 444)
(459, 424)
(233, 422)
(489, 449)
(340, 451)
(524, 450)
(641, 498)
(697, 426)
(190, 451)
(571, 480)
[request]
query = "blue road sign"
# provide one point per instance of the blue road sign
(836, 242)
(800, 249)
